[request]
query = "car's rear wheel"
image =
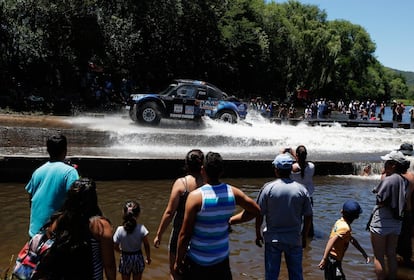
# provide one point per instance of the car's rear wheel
(228, 116)
(149, 114)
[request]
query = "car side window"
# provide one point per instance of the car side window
(186, 91)
(213, 94)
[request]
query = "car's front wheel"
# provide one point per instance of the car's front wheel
(228, 116)
(149, 114)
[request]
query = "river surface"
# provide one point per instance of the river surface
(256, 138)
(246, 258)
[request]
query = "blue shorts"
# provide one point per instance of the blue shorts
(131, 263)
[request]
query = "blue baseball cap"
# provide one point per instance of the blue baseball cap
(283, 161)
(352, 207)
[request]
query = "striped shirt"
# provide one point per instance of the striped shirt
(97, 266)
(209, 243)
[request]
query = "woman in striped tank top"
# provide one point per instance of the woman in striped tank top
(204, 236)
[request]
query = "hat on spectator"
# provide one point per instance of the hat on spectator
(396, 156)
(283, 161)
(351, 207)
(406, 149)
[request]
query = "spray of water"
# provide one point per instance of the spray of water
(256, 138)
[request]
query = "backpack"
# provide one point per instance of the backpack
(68, 258)
(30, 256)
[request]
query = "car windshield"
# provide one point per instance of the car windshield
(168, 89)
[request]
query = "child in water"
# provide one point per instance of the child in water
(338, 242)
(367, 171)
(128, 239)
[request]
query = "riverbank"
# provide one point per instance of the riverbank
(19, 169)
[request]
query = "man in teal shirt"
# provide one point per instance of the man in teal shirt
(49, 184)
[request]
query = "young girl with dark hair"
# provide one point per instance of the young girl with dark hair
(128, 240)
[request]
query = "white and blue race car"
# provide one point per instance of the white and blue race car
(185, 100)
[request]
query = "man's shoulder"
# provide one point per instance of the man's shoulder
(56, 165)
(270, 184)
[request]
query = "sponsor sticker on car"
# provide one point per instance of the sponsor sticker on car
(189, 110)
(208, 104)
(178, 108)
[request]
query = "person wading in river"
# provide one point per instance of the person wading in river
(207, 217)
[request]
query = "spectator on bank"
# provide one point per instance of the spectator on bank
(399, 111)
(308, 113)
(283, 203)
(386, 218)
(176, 203)
(208, 215)
(321, 108)
(49, 184)
(382, 108)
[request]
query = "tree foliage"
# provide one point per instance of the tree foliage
(247, 47)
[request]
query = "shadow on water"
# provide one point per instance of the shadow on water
(246, 258)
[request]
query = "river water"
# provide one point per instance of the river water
(253, 139)
(246, 258)
(256, 138)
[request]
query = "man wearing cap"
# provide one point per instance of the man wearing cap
(386, 218)
(406, 149)
(283, 203)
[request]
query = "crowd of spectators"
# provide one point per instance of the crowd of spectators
(322, 109)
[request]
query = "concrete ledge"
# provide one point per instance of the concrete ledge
(20, 169)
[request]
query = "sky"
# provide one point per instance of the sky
(389, 23)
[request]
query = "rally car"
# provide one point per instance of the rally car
(185, 100)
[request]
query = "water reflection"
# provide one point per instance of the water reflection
(246, 258)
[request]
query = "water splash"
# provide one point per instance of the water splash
(255, 139)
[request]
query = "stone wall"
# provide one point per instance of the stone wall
(19, 169)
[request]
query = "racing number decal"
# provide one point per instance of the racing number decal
(178, 112)
(178, 108)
